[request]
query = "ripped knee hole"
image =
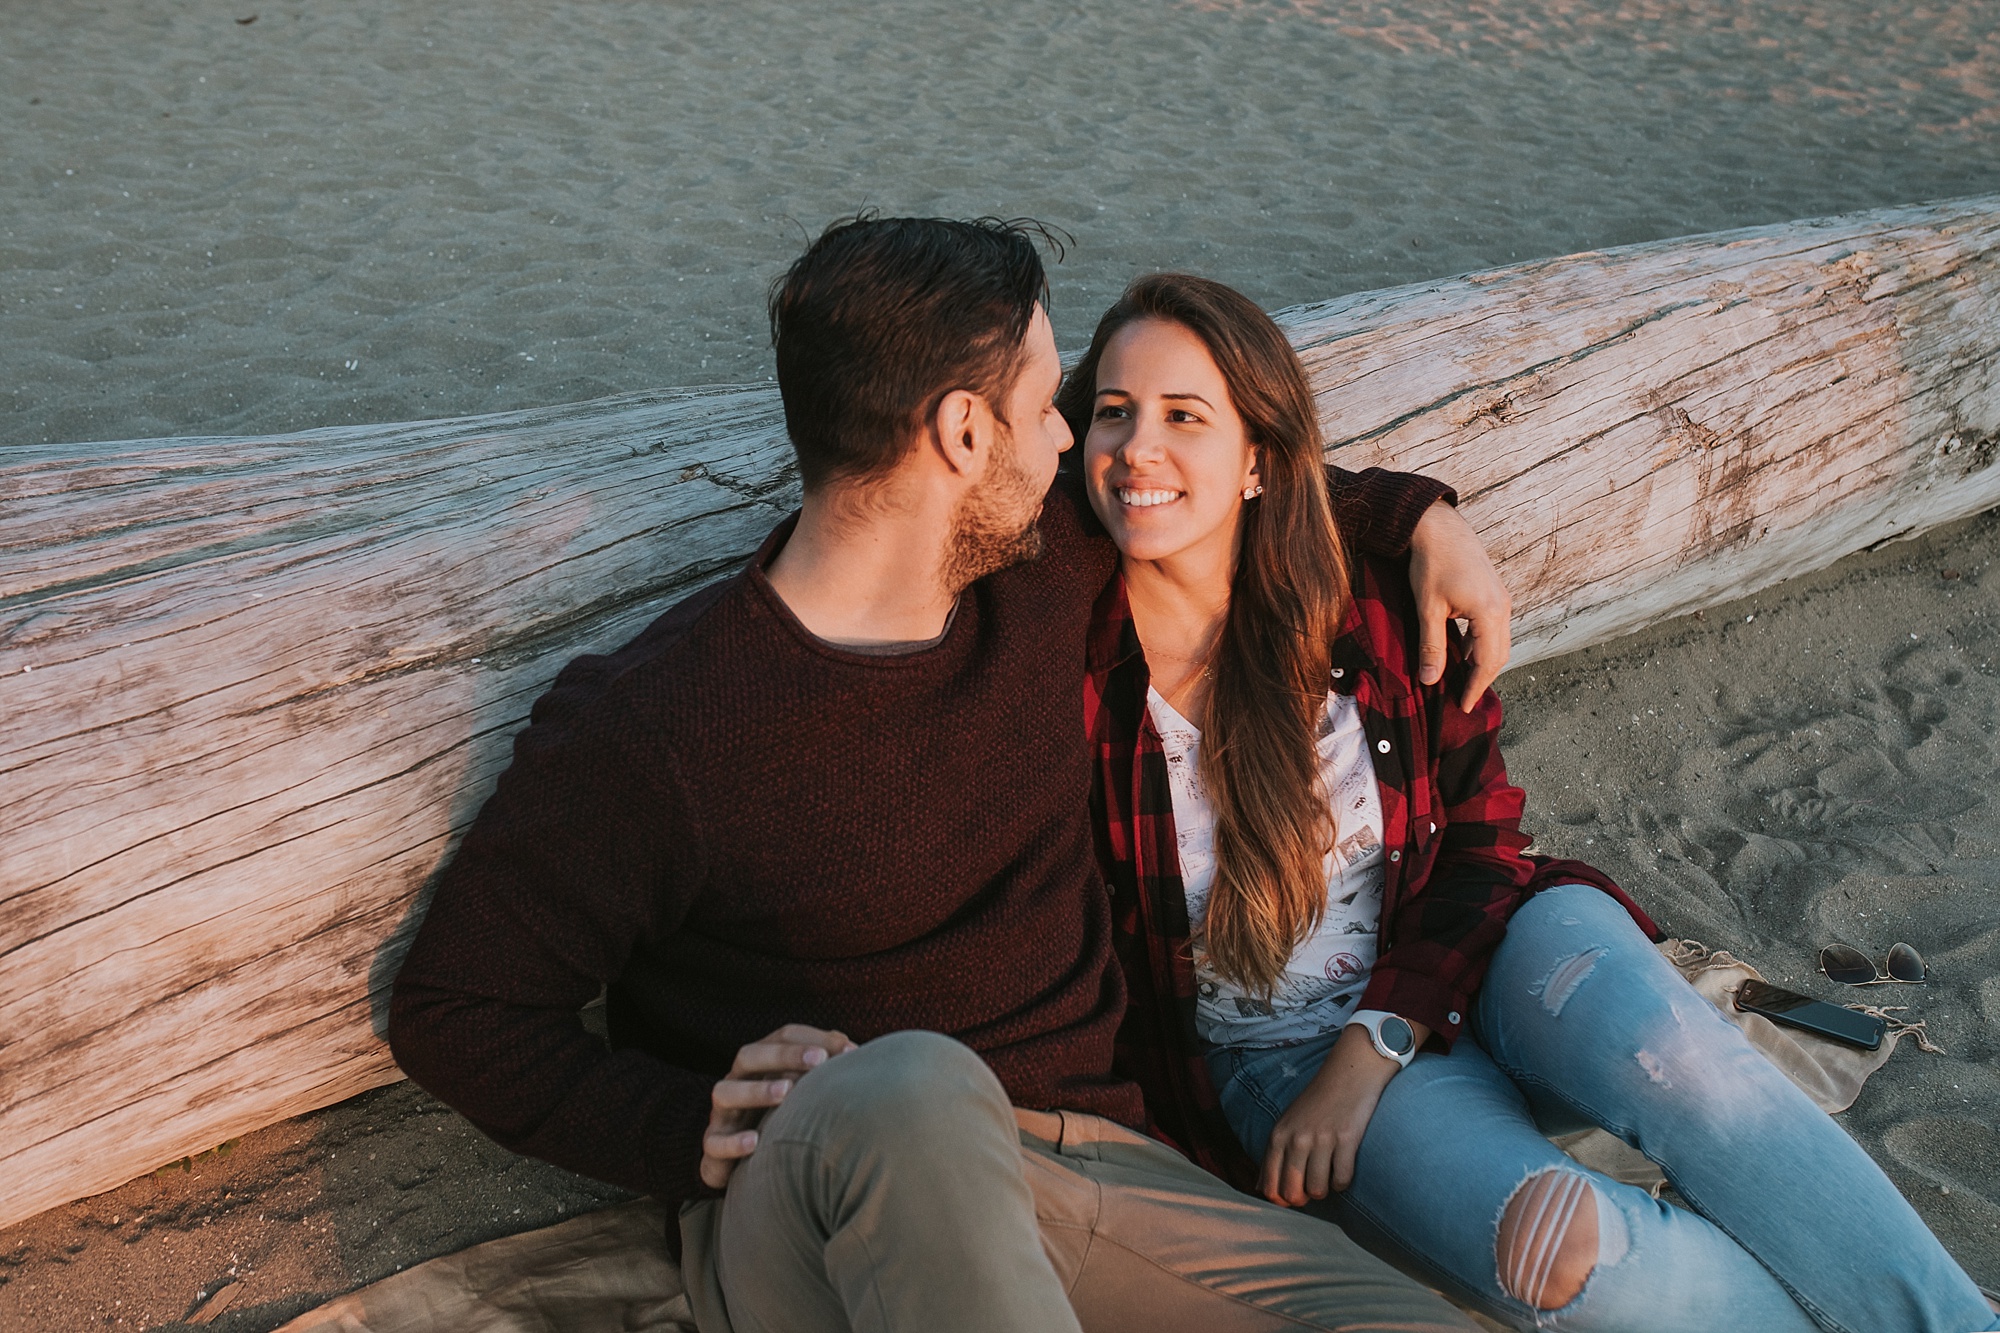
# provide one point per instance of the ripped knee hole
(1547, 1245)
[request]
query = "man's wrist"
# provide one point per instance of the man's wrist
(1443, 510)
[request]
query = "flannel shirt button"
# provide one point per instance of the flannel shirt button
(1451, 1017)
(1338, 672)
(1383, 746)
(1395, 856)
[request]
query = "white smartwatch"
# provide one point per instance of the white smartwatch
(1392, 1036)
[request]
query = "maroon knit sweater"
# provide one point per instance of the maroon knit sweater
(734, 825)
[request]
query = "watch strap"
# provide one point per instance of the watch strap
(1371, 1020)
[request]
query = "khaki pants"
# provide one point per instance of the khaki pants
(897, 1191)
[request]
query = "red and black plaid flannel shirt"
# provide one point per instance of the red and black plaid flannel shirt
(1454, 854)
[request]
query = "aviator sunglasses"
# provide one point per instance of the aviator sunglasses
(1851, 967)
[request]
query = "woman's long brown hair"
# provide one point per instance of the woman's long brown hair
(1270, 666)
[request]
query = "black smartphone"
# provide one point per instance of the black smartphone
(1810, 1015)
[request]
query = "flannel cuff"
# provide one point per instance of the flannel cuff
(1421, 999)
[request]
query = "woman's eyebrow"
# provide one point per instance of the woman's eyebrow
(1172, 397)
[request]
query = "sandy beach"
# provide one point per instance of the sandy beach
(379, 212)
(383, 212)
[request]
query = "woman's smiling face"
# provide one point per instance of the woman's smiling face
(1167, 457)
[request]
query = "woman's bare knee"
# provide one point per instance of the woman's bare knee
(1547, 1244)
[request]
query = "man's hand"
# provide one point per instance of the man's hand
(1315, 1141)
(763, 1073)
(1453, 579)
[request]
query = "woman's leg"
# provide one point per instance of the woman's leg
(1456, 1185)
(1584, 1014)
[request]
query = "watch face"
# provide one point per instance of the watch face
(1397, 1035)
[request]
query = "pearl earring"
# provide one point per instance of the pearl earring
(1252, 492)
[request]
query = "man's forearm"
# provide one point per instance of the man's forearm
(537, 1083)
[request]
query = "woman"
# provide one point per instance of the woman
(1341, 960)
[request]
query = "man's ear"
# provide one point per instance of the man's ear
(962, 432)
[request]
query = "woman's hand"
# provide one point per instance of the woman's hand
(1314, 1144)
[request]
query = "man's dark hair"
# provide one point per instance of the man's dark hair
(880, 318)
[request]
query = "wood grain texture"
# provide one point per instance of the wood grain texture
(1644, 431)
(254, 688)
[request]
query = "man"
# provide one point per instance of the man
(822, 832)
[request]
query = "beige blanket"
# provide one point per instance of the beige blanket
(1828, 1072)
(609, 1272)
(605, 1272)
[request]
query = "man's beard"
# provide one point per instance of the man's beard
(995, 526)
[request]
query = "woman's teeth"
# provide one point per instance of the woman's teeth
(1146, 499)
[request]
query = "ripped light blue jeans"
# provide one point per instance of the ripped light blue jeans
(1581, 1022)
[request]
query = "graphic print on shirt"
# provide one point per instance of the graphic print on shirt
(1326, 975)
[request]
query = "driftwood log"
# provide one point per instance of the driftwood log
(253, 688)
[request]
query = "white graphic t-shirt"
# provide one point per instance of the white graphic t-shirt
(1324, 980)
